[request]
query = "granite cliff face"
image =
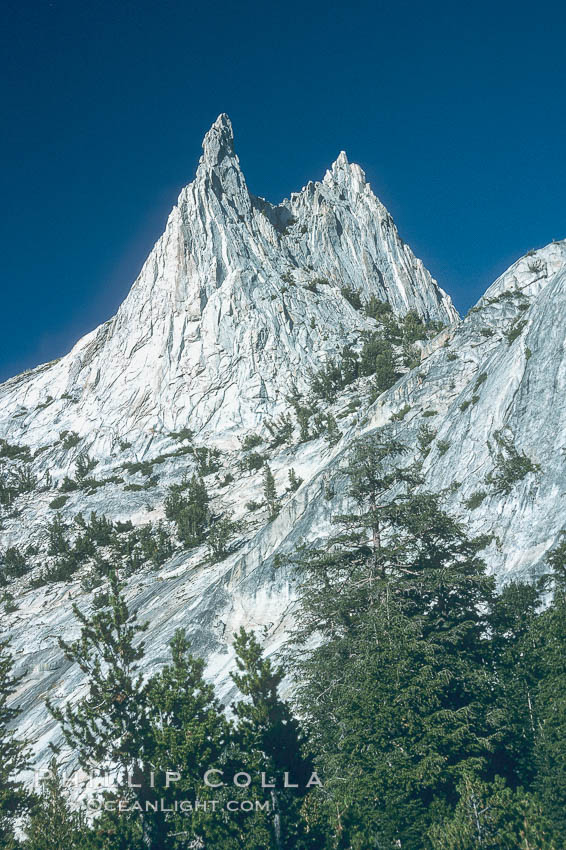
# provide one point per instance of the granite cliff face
(237, 302)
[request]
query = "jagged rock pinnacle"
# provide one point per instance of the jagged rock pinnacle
(218, 142)
(211, 336)
(219, 171)
(343, 172)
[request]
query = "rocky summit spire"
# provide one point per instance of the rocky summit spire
(223, 321)
(346, 174)
(218, 142)
(219, 173)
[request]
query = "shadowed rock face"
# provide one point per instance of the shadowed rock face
(237, 301)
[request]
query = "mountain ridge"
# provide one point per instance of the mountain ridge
(218, 244)
(207, 368)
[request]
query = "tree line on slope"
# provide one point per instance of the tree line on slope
(431, 707)
(95, 542)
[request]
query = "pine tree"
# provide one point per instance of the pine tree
(191, 512)
(58, 543)
(294, 481)
(378, 358)
(14, 562)
(272, 740)
(109, 724)
(327, 382)
(494, 817)
(517, 644)
(188, 733)
(14, 755)
(303, 418)
(413, 327)
(398, 696)
(219, 536)
(332, 432)
(385, 371)
(378, 310)
(53, 824)
(83, 465)
(270, 493)
(550, 697)
(172, 722)
(350, 365)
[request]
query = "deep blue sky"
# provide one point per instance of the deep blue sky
(456, 112)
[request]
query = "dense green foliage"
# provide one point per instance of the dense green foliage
(207, 460)
(52, 821)
(250, 441)
(16, 476)
(381, 354)
(69, 439)
(271, 739)
(13, 564)
(511, 466)
(270, 493)
(475, 500)
(352, 297)
(219, 536)
(294, 481)
(252, 461)
(11, 451)
(434, 705)
(86, 542)
(190, 512)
